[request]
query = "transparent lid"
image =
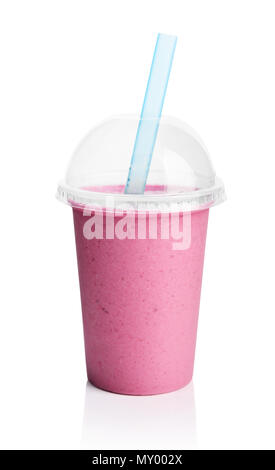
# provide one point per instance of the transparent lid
(181, 176)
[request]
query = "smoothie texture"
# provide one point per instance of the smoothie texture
(140, 303)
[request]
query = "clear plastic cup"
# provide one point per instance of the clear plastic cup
(140, 257)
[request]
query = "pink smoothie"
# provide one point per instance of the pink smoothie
(140, 304)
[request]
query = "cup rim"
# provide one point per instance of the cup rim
(162, 202)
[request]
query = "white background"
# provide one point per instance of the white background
(65, 65)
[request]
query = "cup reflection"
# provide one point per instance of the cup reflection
(114, 421)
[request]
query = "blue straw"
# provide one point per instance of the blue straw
(151, 114)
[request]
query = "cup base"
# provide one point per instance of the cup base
(121, 391)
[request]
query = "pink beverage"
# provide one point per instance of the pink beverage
(140, 292)
(140, 304)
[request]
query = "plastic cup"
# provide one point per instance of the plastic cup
(140, 257)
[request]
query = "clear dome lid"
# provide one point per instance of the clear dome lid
(181, 176)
